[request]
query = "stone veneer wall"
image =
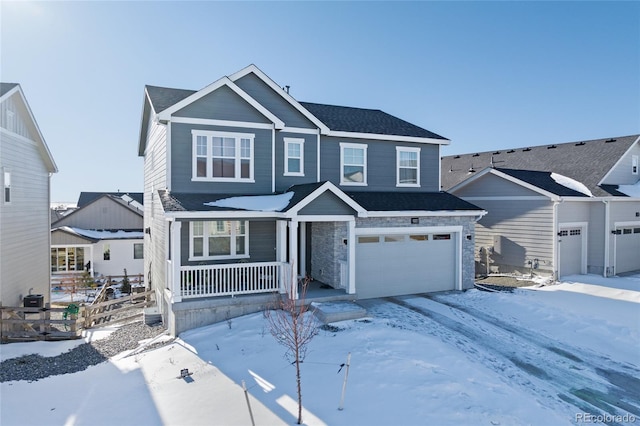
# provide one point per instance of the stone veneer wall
(327, 250)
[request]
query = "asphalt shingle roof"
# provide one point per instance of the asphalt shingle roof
(88, 197)
(585, 161)
(6, 87)
(360, 120)
(337, 118)
(410, 201)
(542, 180)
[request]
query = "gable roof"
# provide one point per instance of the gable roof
(8, 90)
(88, 197)
(411, 201)
(572, 159)
(80, 210)
(332, 120)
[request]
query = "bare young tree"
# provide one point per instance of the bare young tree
(293, 325)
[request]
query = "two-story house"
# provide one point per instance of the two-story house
(26, 166)
(247, 189)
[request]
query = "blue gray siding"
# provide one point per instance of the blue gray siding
(381, 164)
(310, 161)
(274, 102)
(327, 204)
(222, 104)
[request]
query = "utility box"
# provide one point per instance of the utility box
(33, 301)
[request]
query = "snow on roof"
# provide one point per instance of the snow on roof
(263, 203)
(571, 184)
(630, 190)
(108, 235)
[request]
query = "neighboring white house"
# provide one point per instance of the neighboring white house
(104, 235)
(26, 166)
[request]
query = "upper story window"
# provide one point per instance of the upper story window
(353, 164)
(6, 182)
(407, 166)
(293, 157)
(634, 164)
(222, 156)
(219, 239)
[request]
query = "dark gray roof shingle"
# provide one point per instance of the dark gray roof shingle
(586, 161)
(410, 201)
(361, 120)
(542, 180)
(88, 197)
(164, 97)
(6, 87)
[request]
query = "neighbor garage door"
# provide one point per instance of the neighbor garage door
(628, 249)
(570, 251)
(396, 264)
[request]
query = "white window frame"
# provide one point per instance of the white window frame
(205, 242)
(343, 146)
(300, 143)
(6, 186)
(209, 135)
(634, 165)
(400, 149)
(134, 251)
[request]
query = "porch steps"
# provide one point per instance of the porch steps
(329, 312)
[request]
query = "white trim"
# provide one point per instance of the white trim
(325, 218)
(209, 135)
(273, 159)
(18, 136)
(408, 230)
(632, 223)
(226, 123)
(635, 164)
(6, 173)
(320, 190)
(229, 215)
(400, 149)
(604, 178)
(300, 143)
(278, 90)
(507, 177)
(362, 146)
(426, 213)
(318, 156)
(168, 166)
(224, 81)
(381, 137)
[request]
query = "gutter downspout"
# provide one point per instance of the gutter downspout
(607, 238)
(556, 251)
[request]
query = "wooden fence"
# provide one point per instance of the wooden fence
(64, 323)
(27, 324)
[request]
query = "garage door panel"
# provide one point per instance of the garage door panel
(628, 249)
(571, 251)
(404, 264)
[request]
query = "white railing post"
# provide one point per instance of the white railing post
(175, 280)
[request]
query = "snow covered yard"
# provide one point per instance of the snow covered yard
(551, 355)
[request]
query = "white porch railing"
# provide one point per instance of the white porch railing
(231, 279)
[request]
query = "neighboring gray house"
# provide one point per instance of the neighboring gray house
(25, 169)
(570, 208)
(246, 187)
(104, 234)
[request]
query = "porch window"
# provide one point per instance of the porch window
(407, 166)
(353, 164)
(293, 157)
(222, 156)
(67, 259)
(138, 250)
(106, 252)
(219, 239)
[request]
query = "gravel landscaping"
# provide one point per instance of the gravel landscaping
(35, 367)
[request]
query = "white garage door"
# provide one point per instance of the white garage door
(628, 249)
(396, 264)
(570, 251)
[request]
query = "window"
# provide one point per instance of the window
(438, 237)
(106, 252)
(138, 250)
(418, 237)
(393, 238)
(65, 259)
(7, 186)
(627, 231)
(408, 166)
(222, 156)
(219, 239)
(353, 164)
(368, 240)
(293, 157)
(634, 164)
(574, 232)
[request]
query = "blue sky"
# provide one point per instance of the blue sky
(487, 75)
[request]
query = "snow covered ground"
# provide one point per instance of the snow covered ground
(554, 355)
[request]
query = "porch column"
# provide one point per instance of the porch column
(174, 279)
(293, 259)
(302, 261)
(351, 257)
(281, 252)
